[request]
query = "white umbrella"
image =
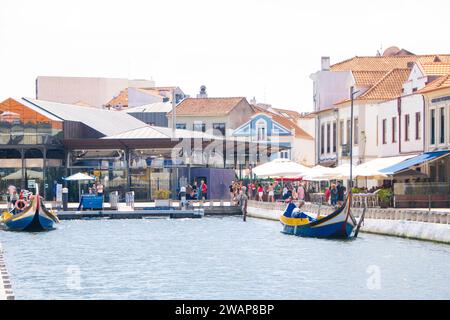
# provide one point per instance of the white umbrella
(318, 173)
(31, 174)
(280, 168)
(79, 177)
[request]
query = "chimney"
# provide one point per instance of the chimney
(325, 63)
(202, 93)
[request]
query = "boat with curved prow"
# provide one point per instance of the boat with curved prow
(35, 217)
(339, 224)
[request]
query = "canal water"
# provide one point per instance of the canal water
(218, 258)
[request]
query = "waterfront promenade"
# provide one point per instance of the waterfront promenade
(6, 292)
(419, 224)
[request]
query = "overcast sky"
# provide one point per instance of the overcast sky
(260, 48)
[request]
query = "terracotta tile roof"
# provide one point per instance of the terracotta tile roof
(385, 63)
(121, 99)
(435, 68)
(388, 87)
(207, 106)
(442, 82)
(367, 78)
(285, 122)
(290, 113)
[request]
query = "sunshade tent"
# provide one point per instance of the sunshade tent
(30, 174)
(317, 173)
(280, 168)
(79, 177)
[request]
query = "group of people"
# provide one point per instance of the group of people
(269, 192)
(17, 200)
(97, 189)
(335, 194)
(194, 191)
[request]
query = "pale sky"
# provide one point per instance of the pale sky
(261, 48)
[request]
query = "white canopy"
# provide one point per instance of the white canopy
(280, 168)
(30, 174)
(317, 173)
(79, 177)
(371, 169)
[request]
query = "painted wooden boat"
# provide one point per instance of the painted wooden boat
(339, 224)
(35, 217)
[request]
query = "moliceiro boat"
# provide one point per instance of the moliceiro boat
(339, 224)
(34, 217)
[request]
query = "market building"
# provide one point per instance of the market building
(41, 142)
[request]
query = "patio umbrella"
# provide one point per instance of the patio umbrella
(31, 174)
(280, 168)
(79, 177)
(318, 173)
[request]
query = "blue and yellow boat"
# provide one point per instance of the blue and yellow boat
(34, 217)
(339, 224)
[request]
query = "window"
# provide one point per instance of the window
(322, 139)
(394, 129)
(348, 133)
(383, 131)
(433, 127)
(200, 127)
(328, 138)
(406, 127)
(334, 136)
(356, 135)
(219, 127)
(341, 132)
(418, 121)
(261, 130)
(442, 125)
(180, 126)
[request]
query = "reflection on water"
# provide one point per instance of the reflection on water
(217, 258)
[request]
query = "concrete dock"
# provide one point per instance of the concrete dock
(6, 292)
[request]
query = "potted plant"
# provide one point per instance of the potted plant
(162, 198)
(385, 195)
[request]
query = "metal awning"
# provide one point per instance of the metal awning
(420, 159)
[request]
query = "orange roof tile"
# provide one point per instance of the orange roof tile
(388, 87)
(121, 99)
(442, 82)
(435, 68)
(207, 106)
(386, 63)
(367, 78)
(285, 122)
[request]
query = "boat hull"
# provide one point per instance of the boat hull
(34, 218)
(339, 224)
(339, 230)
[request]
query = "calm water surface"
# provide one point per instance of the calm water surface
(218, 258)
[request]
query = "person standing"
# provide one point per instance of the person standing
(271, 193)
(294, 194)
(340, 190)
(301, 192)
(242, 202)
(232, 191)
(204, 190)
(195, 191)
(260, 193)
(12, 197)
(333, 195)
(99, 189)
